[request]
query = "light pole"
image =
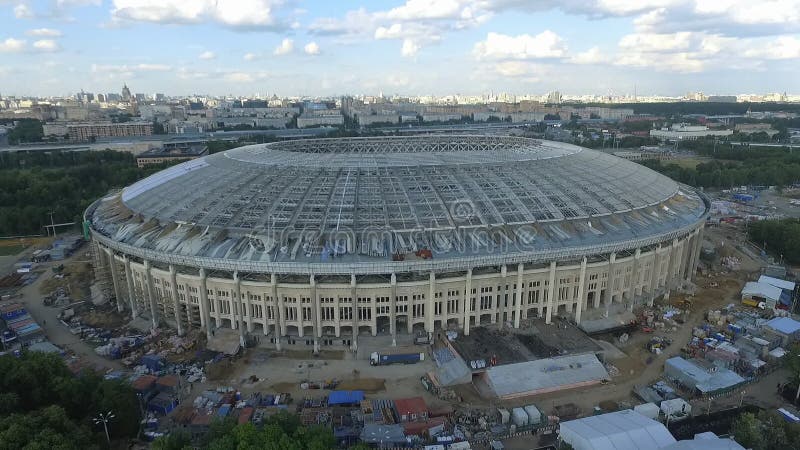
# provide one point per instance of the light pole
(104, 418)
(53, 224)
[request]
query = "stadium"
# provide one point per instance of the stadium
(317, 242)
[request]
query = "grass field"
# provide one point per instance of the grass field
(692, 162)
(11, 250)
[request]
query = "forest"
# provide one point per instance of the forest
(44, 405)
(782, 237)
(734, 166)
(32, 185)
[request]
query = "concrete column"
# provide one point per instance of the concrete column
(112, 265)
(466, 308)
(278, 304)
(315, 313)
(337, 319)
(150, 294)
(581, 290)
(281, 314)
(698, 251)
(237, 293)
(205, 306)
(131, 292)
(671, 255)
(501, 303)
(551, 293)
(176, 304)
(654, 275)
(429, 307)
(518, 295)
(249, 310)
(609, 297)
(681, 261)
(354, 310)
(393, 310)
(635, 278)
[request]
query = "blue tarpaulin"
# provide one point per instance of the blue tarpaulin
(153, 362)
(345, 397)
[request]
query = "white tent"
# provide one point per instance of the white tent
(621, 430)
(650, 410)
(761, 290)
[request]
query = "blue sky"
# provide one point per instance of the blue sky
(414, 47)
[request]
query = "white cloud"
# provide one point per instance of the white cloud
(500, 46)
(663, 62)
(245, 77)
(784, 47)
(652, 42)
(413, 36)
(11, 45)
(207, 55)
(239, 77)
(186, 74)
(46, 45)
(240, 14)
(125, 68)
(355, 22)
(75, 3)
(311, 48)
(284, 48)
(250, 57)
(23, 11)
(43, 32)
(591, 56)
(426, 9)
(409, 48)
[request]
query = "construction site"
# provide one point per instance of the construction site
(499, 383)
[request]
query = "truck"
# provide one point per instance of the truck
(396, 356)
(754, 303)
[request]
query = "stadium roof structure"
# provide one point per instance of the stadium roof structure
(351, 205)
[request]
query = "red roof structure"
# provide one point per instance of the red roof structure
(411, 409)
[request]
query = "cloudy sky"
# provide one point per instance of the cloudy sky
(329, 47)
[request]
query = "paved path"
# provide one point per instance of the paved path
(56, 332)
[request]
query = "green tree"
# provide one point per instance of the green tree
(46, 402)
(746, 430)
(765, 431)
(177, 440)
(792, 364)
(27, 130)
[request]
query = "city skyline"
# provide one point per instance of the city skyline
(303, 48)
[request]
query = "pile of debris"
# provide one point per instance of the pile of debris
(731, 263)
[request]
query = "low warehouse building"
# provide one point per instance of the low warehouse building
(701, 376)
(785, 328)
(545, 375)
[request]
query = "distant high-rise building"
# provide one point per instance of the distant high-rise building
(101, 98)
(126, 93)
(554, 97)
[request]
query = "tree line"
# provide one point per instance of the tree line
(282, 431)
(782, 237)
(734, 166)
(43, 405)
(32, 185)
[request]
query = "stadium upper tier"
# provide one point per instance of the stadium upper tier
(424, 202)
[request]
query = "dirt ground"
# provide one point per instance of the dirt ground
(77, 277)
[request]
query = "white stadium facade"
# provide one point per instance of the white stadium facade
(316, 242)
